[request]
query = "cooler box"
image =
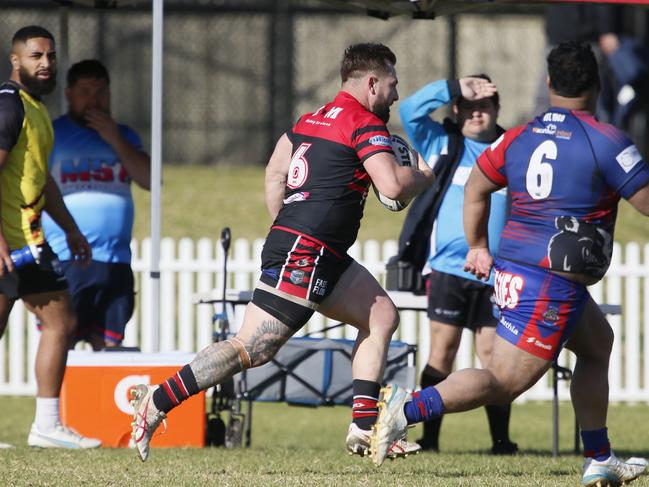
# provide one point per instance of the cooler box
(96, 393)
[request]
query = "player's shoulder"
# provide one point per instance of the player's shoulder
(8, 89)
(507, 137)
(601, 134)
(10, 94)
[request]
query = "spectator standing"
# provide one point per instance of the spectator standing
(456, 298)
(26, 138)
(93, 162)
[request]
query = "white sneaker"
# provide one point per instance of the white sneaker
(146, 418)
(60, 437)
(358, 443)
(612, 472)
(391, 425)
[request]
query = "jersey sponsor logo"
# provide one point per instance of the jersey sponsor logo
(333, 113)
(552, 315)
(497, 142)
(507, 289)
(317, 122)
(379, 140)
(538, 343)
(554, 117)
(297, 276)
(509, 326)
(7, 90)
(320, 287)
(86, 170)
(628, 158)
(550, 129)
(563, 134)
(449, 313)
(301, 196)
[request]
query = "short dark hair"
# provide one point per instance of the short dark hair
(495, 98)
(365, 57)
(31, 32)
(88, 68)
(572, 68)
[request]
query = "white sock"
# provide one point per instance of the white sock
(47, 414)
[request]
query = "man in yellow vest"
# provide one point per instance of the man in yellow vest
(29, 270)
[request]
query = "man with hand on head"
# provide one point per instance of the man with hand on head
(456, 299)
(93, 162)
(27, 189)
(317, 180)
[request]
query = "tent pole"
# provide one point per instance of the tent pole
(63, 55)
(156, 168)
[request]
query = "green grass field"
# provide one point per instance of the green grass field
(197, 201)
(305, 446)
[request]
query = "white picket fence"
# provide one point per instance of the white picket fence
(191, 270)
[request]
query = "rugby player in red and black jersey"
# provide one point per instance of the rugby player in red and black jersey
(317, 180)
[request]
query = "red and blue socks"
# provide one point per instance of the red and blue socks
(175, 390)
(425, 405)
(364, 408)
(430, 441)
(596, 444)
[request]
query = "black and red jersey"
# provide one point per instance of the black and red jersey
(327, 183)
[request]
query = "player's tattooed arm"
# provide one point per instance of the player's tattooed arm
(267, 340)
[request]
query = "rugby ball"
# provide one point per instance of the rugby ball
(405, 156)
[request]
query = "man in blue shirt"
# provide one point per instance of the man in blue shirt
(456, 299)
(93, 162)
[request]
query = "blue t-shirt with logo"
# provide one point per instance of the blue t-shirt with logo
(448, 246)
(96, 189)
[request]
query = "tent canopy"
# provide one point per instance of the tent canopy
(418, 9)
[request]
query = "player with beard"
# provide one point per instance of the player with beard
(93, 161)
(27, 189)
(317, 181)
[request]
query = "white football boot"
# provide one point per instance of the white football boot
(612, 472)
(358, 443)
(146, 418)
(391, 425)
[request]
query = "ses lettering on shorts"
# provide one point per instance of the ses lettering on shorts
(507, 289)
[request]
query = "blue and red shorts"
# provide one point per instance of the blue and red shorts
(539, 309)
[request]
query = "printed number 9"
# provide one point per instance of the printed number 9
(298, 170)
(539, 172)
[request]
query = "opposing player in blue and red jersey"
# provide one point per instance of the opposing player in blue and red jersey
(317, 181)
(565, 172)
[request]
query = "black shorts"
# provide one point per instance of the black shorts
(300, 265)
(45, 277)
(103, 297)
(461, 302)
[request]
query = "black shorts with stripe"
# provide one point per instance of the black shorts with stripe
(457, 301)
(301, 266)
